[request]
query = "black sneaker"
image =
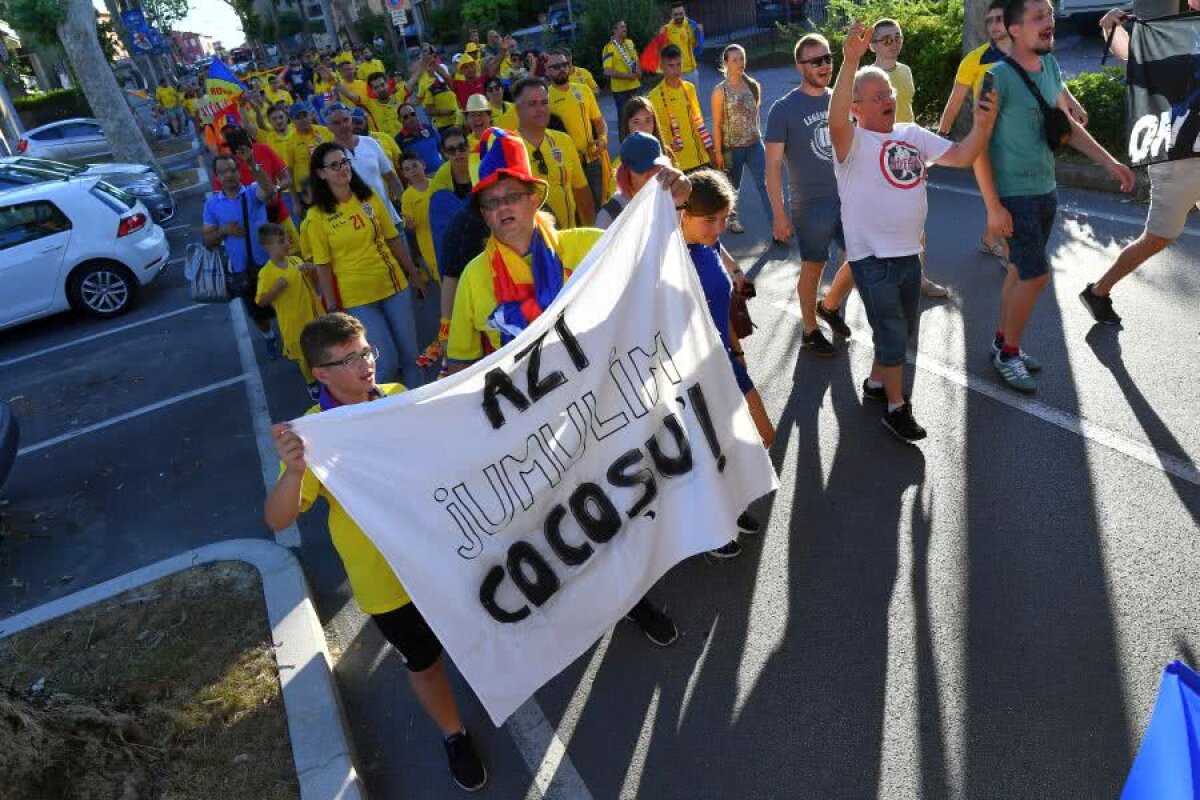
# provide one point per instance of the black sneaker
(657, 626)
(902, 425)
(465, 765)
(816, 343)
(834, 319)
(874, 393)
(748, 524)
(1099, 306)
(731, 550)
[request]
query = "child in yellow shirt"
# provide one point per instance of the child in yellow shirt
(284, 284)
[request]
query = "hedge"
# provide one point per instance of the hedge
(643, 18)
(1102, 94)
(40, 109)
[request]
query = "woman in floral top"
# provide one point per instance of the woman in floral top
(736, 135)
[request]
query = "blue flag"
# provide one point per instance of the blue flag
(1167, 766)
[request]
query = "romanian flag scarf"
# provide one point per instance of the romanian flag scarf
(518, 304)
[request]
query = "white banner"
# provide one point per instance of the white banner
(528, 502)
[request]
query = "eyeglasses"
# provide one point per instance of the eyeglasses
(560, 65)
(456, 148)
(889, 39)
(881, 97)
(507, 200)
(339, 165)
(407, 116)
(355, 359)
(541, 162)
(495, 88)
(817, 61)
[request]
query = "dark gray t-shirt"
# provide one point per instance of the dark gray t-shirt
(801, 123)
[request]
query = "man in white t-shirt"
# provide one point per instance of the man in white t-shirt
(366, 156)
(880, 169)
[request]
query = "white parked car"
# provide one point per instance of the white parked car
(78, 244)
(65, 140)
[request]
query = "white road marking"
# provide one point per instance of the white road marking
(137, 412)
(544, 753)
(101, 334)
(260, 414)
(1071, 208)
(631, 786)
(1173, 465)
(183, 227)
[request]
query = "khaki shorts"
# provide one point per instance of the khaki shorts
(1174, 189)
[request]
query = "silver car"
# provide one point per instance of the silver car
(137, 179)
(66, 140)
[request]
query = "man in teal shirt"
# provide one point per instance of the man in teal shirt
(1016, 177)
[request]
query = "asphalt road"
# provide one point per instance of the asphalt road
(983, 616)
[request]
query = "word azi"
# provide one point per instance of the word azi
(643, 380)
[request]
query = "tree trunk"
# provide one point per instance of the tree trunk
(77, 32)
(974, 27)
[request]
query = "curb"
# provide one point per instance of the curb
(317, 725)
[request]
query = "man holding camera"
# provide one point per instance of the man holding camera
(1016, 174)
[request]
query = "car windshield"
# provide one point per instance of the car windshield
(46, 164)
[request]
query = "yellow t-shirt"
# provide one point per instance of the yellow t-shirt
(167, 96)
(281, 95)
(611, 59)
(475, 297)
(353, 240)
(360, 90)
(414, 207)
(306, 238)
(295, 306)
(376, 588)
(436, 94)
(279, 142)
(902, 84)
(677, 109)
(584, 76)
(368, 68)
(683, 37)
(556, 161)
(976, 64)
(300, 150)
(189, 105)
(324, 87)
(444, 177)
(576, 107)
(507, 119)
(383, 115)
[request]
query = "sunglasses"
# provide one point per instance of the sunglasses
(456, 148)
(495, 88)
(494, 203)
(541, 162)
(407, 116)
(817, 61)
(889, 39)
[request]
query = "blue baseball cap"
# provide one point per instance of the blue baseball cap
(358, 115)
(301, 108)
(332, 108)
(641, 152)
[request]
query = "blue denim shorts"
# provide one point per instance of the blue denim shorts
(890, 289)
(817, 227)
(1032, 221)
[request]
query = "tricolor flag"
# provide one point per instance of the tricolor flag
(223, 89)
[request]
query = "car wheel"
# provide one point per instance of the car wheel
(102, 289)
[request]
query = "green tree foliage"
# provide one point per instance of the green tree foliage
(642, 17)
(37, 18)
(500, 14)
(1103, 95)
(163, 14)
(445, 23)
(252, 23)
(933, 31)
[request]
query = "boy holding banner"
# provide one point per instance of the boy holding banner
(336, 348)
(1174, 189)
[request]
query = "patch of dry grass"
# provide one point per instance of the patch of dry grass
(166, 692)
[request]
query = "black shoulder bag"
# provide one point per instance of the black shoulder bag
(1056, 125)
(245, 283)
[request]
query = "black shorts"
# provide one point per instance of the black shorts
(408, 632)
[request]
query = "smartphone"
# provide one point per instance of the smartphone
(989, 83)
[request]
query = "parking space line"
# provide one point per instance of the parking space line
(101, 334)
(128, 415)
(1179, 467)
(260, 413)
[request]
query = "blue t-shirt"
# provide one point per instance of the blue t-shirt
(1022, 162)
(717, 286)
(298, 80)
(220, 210)
(426, 144)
